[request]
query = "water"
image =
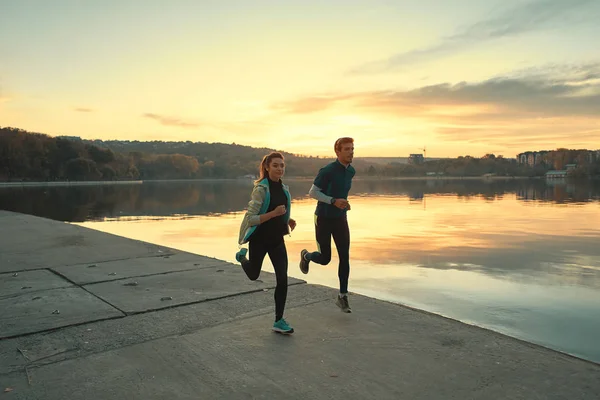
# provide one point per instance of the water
(516, 256)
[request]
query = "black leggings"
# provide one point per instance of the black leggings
(278, 255)
(325, 228)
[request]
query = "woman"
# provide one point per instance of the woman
(264, 225)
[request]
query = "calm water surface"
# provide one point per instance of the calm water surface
(518, 257)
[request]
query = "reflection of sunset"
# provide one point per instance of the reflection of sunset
(443, 224)
(524, 268)
(438, 231)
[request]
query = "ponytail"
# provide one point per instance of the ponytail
(262, 168)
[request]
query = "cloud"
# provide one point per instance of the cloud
(83, 109)
(170, 121)
(543, 92)
(212, 130)
(308, 104)
(528, 17)
(544, 104)
(533, 97)
(4, 96)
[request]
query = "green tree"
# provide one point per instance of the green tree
(101, 156)
(82, 169)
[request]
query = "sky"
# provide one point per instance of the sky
(466, 77)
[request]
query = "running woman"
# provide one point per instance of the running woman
(265, 223)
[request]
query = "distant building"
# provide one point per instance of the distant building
(556, 174)
(532, 158)
(75, 138)
(522, 157)
(248, 176)
(416, 159)
(570, 166)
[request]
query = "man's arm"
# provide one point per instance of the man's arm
(321, 181)
(316, 193)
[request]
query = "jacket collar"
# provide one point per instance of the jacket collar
(340, 164)
(265, 183)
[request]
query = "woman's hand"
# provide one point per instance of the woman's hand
(292, 224)
(279, 210)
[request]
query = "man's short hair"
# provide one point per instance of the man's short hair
(341, 142)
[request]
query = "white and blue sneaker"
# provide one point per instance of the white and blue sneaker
(282, 327)
(241, 255)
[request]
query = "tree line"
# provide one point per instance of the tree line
(38, 157)
(28, 156)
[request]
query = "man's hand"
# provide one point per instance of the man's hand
(292, 224)
(341, 204)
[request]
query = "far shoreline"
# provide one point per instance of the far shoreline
(291, 178)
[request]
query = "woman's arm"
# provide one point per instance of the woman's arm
(265, 217)
(256, 200)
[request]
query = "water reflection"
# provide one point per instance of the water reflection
(517, 256)
(505, 238)
(78, 204)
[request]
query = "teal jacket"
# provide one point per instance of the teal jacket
(334, 180)
(258, 205)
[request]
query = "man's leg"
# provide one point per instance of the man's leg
(323, 254)
(341, 236)
(253, 266)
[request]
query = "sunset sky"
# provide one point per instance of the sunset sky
(459, 77)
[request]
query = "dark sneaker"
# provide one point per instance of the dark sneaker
(282, 326)
(342, 303)
(304, 262)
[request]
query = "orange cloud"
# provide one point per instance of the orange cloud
(310, 104)
(4, 97)
(170, 121)
(540, 107)
(83, 109)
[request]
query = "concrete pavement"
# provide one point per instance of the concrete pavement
(88, 315)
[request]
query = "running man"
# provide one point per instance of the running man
(330, 188)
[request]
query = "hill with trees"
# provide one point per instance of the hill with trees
(31, 156)
(28, 156)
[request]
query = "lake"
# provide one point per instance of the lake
(521, 257)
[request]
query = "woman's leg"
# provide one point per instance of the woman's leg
(279, 259)
(253, 266)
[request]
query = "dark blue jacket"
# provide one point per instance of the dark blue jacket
(334, 180)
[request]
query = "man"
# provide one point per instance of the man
(330, 188)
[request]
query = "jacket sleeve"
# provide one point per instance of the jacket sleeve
(316, 193)
(256, 200)
(252, 216)
(323, 178)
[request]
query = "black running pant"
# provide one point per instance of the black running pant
(325, 228)
(278, 255)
